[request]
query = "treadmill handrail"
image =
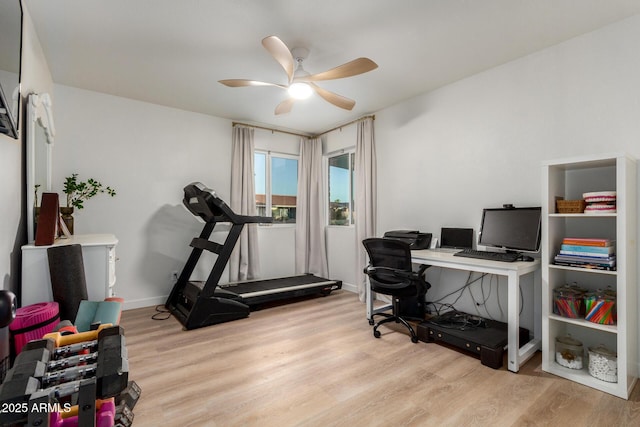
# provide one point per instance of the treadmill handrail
(205, 203)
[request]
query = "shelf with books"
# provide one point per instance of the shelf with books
(568, 258)
(582, 269)
(590, 253)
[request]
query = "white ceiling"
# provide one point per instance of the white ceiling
(173, 52)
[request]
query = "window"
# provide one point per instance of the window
(276, 186)
(341, 189)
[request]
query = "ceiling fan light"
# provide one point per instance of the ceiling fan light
(300, 90)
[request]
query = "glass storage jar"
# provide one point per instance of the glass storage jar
(568, 301)
(600, 307)
(603, 364)
(569, 352)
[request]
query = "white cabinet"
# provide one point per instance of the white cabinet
(98, 256)
(569, 179)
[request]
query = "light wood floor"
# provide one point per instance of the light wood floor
(316, 363)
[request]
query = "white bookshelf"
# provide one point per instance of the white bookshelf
(569, 179)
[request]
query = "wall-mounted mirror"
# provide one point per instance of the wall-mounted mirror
(40, 133)
(10, 58)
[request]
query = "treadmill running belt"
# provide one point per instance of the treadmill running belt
(272, 286)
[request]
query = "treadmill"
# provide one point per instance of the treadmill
(202, 303)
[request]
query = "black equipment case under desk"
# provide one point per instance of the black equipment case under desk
(488, 341)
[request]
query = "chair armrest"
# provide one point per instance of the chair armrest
(371, 269)
(410, 275)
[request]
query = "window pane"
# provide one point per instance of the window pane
(260, 171)
(284, 189)
(339, 184)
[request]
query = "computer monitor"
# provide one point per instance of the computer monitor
(512, 229)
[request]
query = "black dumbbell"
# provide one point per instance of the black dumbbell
(109, 365)
(65, 350)
(125, 403)
(129, 395)
(15, 395)
(45, 351)
(124, 416)
(30, 375)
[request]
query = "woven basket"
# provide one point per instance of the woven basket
(570, 206)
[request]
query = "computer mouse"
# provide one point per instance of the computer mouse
(526, 258)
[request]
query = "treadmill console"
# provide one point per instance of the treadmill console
(205, 203)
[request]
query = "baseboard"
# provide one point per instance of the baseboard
(349, 287)
(144, 302)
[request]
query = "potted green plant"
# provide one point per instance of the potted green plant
(77, 193)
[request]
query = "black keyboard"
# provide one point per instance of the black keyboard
(493, 256)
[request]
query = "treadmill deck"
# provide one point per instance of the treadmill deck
(260, 291)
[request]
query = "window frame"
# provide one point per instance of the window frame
(351, 152)
(268, 191)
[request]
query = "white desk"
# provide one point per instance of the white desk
(512, 271)
(99, 257)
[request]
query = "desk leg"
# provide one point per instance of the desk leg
(368, 299)
(537, 310)
(513, 314)
(516, 355)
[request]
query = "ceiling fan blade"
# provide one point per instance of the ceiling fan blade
(285, 106)
(352, 68)
(334, 98)
(245, 83)
(281, 53)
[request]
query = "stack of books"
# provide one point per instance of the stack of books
(587, 253)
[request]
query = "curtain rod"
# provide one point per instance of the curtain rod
(233, 124)
(373, 117)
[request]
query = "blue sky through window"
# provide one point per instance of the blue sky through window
(338, 184)
(284, 178)
(259, 166)
(284, 175)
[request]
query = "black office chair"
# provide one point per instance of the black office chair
(390, 272)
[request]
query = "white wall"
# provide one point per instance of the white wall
(477, 143)
(35, 78)
(148, 153)
(12, 226)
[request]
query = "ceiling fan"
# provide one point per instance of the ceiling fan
(301, 84)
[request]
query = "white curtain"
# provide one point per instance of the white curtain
(365, 200)
(244, 263)
(311, 252)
